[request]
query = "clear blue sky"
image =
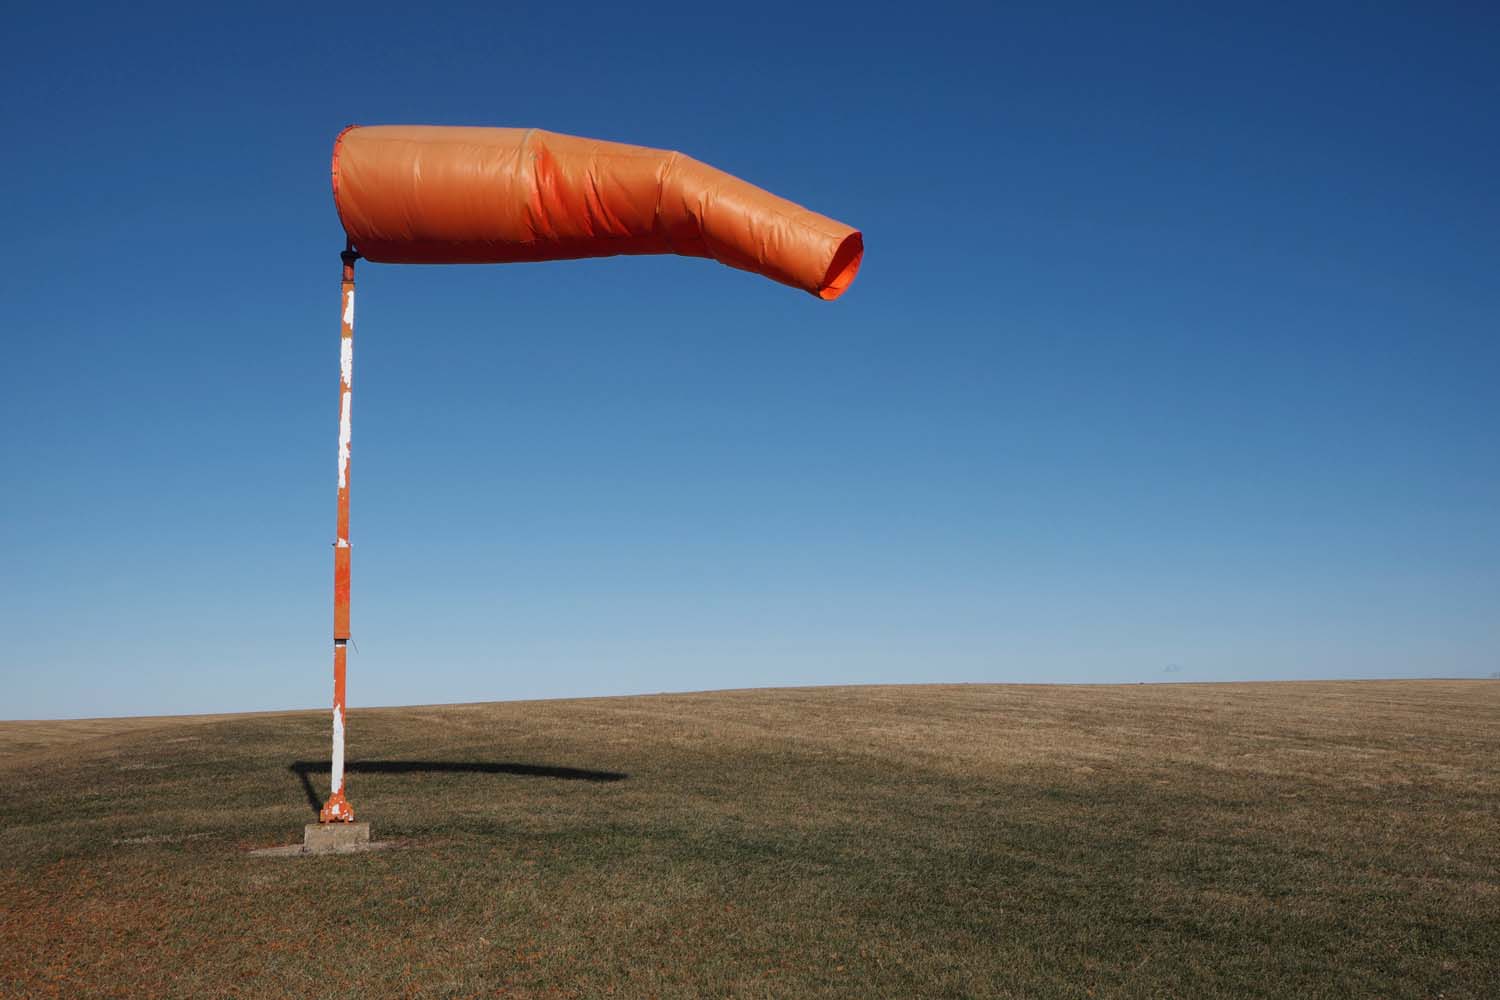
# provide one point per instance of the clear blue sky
(1174, 357)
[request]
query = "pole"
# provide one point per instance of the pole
(337, 809)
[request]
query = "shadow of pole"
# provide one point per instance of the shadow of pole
(303, 768)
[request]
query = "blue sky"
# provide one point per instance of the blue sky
(1173, 357)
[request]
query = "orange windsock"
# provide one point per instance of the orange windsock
(425, 194)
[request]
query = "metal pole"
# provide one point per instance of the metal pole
(337, 809)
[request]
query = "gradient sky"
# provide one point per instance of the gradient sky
(1174, 357)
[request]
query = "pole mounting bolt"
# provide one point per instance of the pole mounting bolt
(349, 255)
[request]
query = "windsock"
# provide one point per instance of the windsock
(424, 194)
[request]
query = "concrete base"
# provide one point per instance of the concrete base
(335, 838)
(328, 838)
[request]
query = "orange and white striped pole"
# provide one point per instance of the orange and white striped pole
(337, 809)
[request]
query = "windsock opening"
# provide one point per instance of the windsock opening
(845, 266)
(426, 194)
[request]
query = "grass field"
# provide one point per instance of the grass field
(1195, 841)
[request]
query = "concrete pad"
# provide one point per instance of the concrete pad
(334, 838)
(328, 838)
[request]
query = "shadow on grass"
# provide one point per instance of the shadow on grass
(303, 768)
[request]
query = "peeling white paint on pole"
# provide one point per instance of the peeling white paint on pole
(344, 439)
(349, 309)
(337, 779)
(346, 361)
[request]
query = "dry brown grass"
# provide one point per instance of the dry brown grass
(19, 737)
(1273, 840)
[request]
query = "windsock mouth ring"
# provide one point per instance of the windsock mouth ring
(843, 267)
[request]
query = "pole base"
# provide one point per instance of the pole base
(336, 810)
